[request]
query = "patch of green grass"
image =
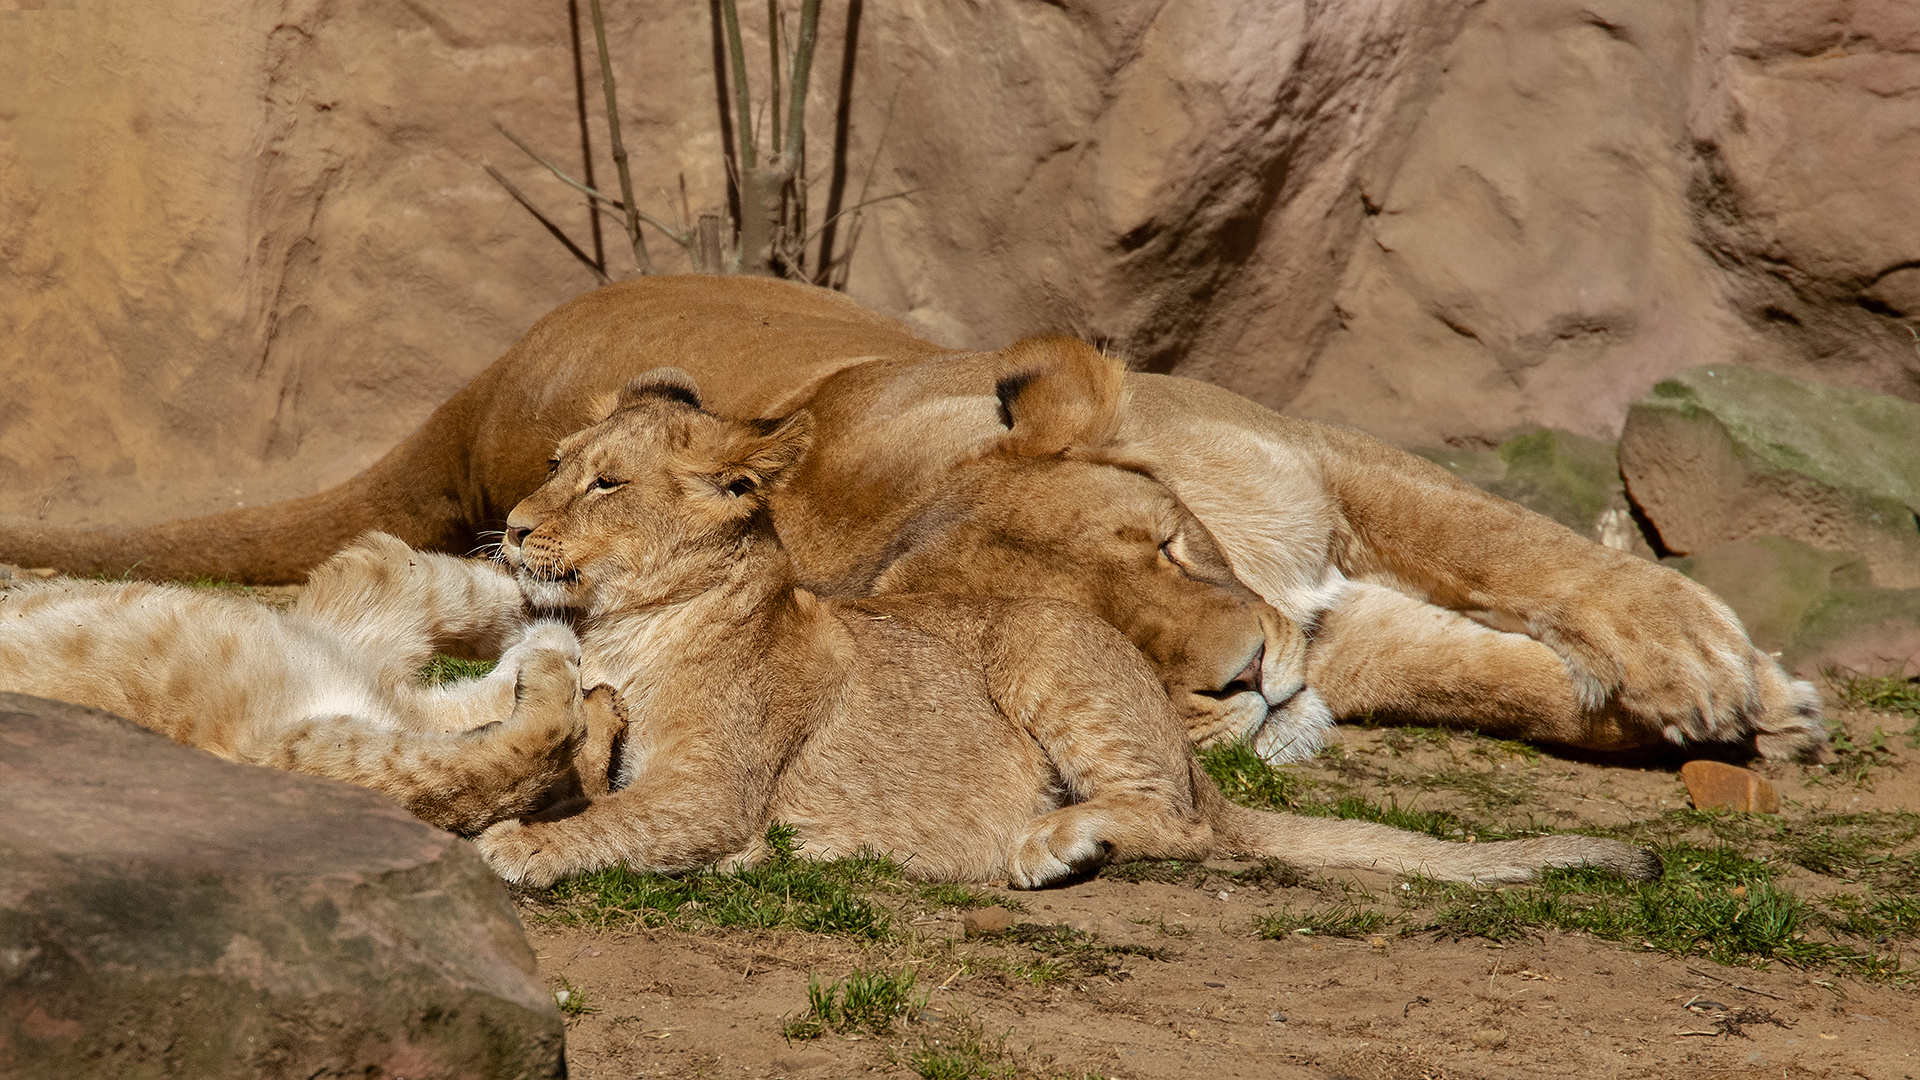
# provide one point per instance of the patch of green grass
(1250, 781)
(572, 1001)
(1067, 952)
(445, 669)
(784, 891)
(960, 1050)
(1339, 919)
(1712, 902)
(869, 1001)
(947, 894)
(1898, 694)
(1855, 759)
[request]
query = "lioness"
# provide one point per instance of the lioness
(1426, 599)
(331, 687)
(976, 738)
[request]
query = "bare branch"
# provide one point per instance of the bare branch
(584, 258)
(619, 148)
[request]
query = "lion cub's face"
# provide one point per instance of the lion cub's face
(649, 505)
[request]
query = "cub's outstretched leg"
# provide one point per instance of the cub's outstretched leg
(400, 606)
(463, 781)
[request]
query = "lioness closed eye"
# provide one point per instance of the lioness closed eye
(330, 687)
(985, 738)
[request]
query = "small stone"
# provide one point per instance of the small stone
(987, 921)
(1715, 784)
(1489, 1038)
(1276, 1018)
(1378, 943)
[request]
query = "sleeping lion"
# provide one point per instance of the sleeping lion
(1192, 520)
(975, 738)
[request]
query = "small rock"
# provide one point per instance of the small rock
(1489, 1038)
(1378, 943)
(1715, 784)
(987, 921)
(1276, 1018)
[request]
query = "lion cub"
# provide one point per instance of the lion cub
(976, 739)
(331, 687)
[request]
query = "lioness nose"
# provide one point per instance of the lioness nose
(517, 534)
(1250, 674)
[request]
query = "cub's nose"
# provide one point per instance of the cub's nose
(517, 534)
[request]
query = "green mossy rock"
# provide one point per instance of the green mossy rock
(1771, 582)
(1718, 454)
(1570, 478)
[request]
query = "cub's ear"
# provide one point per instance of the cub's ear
(759, 456)
(1061, 393)
(669, 383)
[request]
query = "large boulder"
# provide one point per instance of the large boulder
(1722, 453)
(251, 245)
(165, 913)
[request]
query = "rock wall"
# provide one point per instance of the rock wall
(248, 243)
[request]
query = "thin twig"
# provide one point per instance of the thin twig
(773, 64)
(584, 258)
(619, 148)
(815, 235)
(796, 145)
(743, 104)
(678, 236)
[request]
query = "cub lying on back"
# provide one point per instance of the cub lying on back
(979, 738)
(331, 687)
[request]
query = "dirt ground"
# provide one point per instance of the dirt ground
(1203, 994)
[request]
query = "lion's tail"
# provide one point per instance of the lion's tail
(1316, 841)
(410, 493)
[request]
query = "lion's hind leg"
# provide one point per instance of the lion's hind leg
(1102, 718)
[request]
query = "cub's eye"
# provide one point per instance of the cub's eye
(601, 483)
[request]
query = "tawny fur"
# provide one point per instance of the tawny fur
(973, 738)
(332, 687)
(941, 468)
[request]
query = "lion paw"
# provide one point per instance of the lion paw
(1671, 658)
(1054, 851)
(516, 852)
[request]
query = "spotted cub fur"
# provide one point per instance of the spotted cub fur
(331, 687)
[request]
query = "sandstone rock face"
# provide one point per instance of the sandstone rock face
(1719, 454)
(250, 245)
(164, 913)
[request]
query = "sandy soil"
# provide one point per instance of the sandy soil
(1221, 1002)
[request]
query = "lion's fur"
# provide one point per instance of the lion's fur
(1427, 598)
(332, 686)
(975, 738)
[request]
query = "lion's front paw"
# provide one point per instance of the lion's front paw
(1669, 657)
(516, 852)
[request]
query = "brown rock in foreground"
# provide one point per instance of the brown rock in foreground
(1715, 785)
(165, 913)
